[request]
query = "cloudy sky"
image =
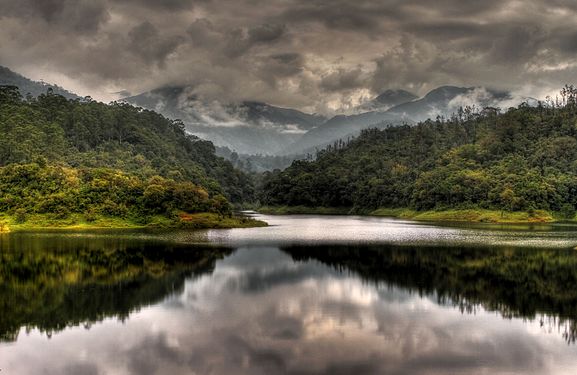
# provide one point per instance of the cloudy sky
(318, 56)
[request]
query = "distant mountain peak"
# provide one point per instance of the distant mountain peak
(387, 99)
(248, 127)
(446, 92)
(388, 96)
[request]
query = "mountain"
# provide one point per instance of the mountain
(257, 163)
(446, 100)
(442, 101)
(247, 127)
(258, 128)
(342, 127)
(386, 100)
(27, 86)
(520, 160)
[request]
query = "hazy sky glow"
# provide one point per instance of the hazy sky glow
(313, 55)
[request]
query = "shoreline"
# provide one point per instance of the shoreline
(452, 215)
(203, 220)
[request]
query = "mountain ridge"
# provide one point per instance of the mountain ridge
(28, 86)
(249, 127)
(442, 101)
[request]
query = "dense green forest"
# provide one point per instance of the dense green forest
(61, 156)
(524, 159)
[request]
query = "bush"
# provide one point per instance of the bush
(90, 216)
(568, 211)
(20, 216)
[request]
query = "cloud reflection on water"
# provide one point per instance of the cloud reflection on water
(262, 313)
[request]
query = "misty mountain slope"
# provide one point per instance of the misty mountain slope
(442, 101)
(244, 139)
(446, 100)
(247, 127)
(257, 163)
(340, 127)
(387, 100)
(371, 114)
(27, 86)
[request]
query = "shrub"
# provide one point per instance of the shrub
(20, 216)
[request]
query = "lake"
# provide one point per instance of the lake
(306, 295)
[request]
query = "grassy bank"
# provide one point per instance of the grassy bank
(454, 215)
(470, 215)
(10, 223)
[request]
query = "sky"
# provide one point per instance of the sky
(320, 56)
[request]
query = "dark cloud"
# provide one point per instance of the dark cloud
(170, 5)
(146, 42)
(446, 31)
(343, 79)
(203, 33)
(265, 33)
(358, 16)
(81, 16)
(516, 45)
(241, 40)
(81, 368)
(274, 68)
(315, 55)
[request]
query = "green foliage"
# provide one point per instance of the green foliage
(60, 191)
(568, 211)
(521, 160)
(61, 157)
(20, 215)
(87, 134)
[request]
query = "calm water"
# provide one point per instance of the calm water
(307, 295)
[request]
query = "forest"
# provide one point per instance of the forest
(77, 157)
(62, 157)
(523, 159)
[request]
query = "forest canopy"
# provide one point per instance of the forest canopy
(60, 156)
(520, 160)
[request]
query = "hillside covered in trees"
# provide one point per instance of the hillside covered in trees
(61, 157)
(524, 159)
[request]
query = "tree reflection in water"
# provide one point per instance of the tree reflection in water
(517, 283)
(51, 282)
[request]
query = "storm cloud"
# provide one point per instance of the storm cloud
(318, 56)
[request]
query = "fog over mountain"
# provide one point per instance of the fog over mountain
(259, 128)
(443, 101)
(245, 127)
(253, 128)
(387, 100)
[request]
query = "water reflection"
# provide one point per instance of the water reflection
(51, 281)
(158, 307)
(521, 283)
(322, 230)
